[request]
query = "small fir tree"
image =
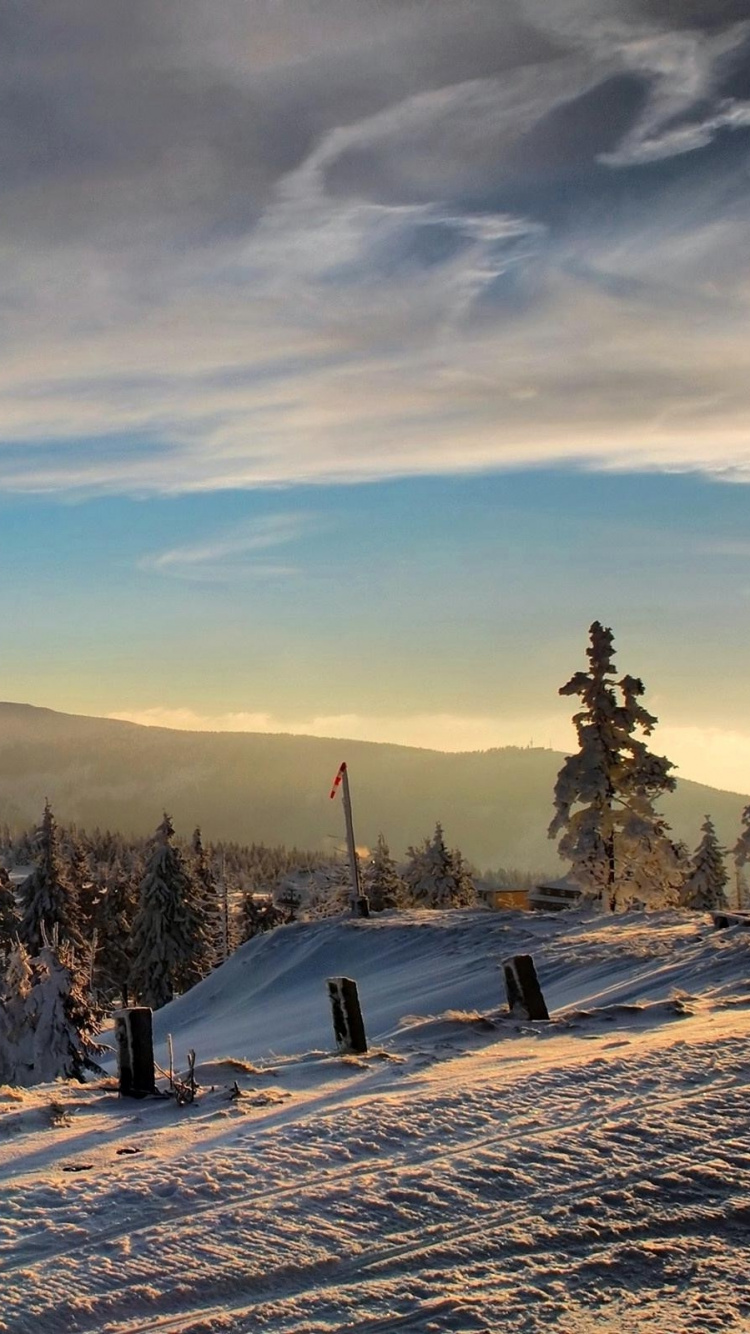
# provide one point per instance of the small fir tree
(288, 898)
(706, 883)
(604, 794)
(382, 883)
(47, 901)
(62, 1019)
(258, 914)
(433, 878)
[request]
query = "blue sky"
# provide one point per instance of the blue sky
(358, 355)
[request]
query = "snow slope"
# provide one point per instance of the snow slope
(472, 1173)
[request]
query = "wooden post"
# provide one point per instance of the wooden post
(358, 902)
(348, 1025)
(522, 988)
(135, 1052)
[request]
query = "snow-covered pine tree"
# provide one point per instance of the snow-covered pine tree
(114, 910)
(466, 890)
(651, 868)
(229, 926)
(382, 883)
(258, 914)
(206, 901)
(326, 891)
(741, 854)
(604, 793)
(75, 861)
(431, 875)
(61, 1017)
(169, 944)
(704, 889)
(16, 1049)
(7, 1046)
(10, 918)
(47, 901)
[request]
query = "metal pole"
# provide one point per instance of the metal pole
(353, 863)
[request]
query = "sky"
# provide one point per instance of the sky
(357, 354)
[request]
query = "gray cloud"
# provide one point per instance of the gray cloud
(251, 244)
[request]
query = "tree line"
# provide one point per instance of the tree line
(100, 922)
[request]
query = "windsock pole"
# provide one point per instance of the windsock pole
(342, 778)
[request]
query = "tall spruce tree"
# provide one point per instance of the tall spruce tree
(618, 844)
(169, 946)
(48, 904)
(207, 905)
(704, 889)
(114, 909)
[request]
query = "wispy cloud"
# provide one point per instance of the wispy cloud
(407, 239)
(233, 553)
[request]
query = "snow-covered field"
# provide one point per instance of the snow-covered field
(472, 1173)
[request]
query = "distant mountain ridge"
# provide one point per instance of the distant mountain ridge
(266, 787)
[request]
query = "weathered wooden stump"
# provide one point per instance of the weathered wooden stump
(135, 1052)
(359, 905)
(522, 988)
(348, 1024)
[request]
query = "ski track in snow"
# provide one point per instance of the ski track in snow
(590, 1175)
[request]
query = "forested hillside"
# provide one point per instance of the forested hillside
(495, 805)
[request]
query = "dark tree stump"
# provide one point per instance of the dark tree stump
(348, 1025)
(522, 988)
(359, 905)
(135, 1052)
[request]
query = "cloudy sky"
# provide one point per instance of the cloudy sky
(358, 353)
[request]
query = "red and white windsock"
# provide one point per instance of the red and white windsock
(337, 779)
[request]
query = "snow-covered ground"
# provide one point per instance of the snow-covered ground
(472, 1173)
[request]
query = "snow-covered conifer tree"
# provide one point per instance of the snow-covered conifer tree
(47, 902)
(206, 903)
(258, 914)
(431, 875)
(605, 792)
(741, 854)
(169, 947)
(74, 857)
(10, 918)
(382, 883)
(62, 1019)
(114, 909)
(16, 1049)
(706, 883)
